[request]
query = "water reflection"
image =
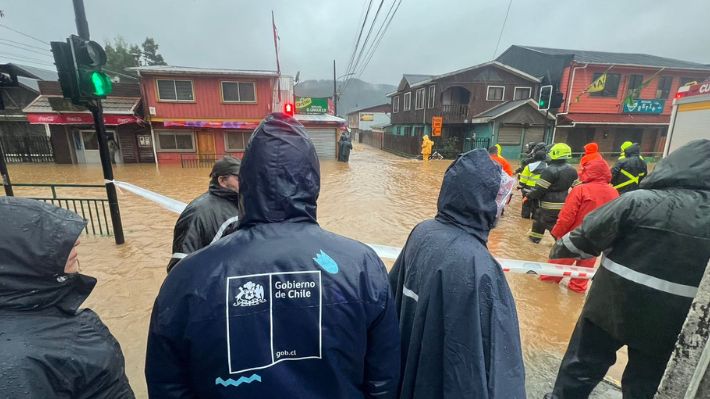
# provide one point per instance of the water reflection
(377, 198)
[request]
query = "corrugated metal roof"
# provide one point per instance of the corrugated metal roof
(413, 79)
(58, 104)
(603, 57)
(502, 109)
(31, 72)
(318, 118)
(182, 70)
(616, 119)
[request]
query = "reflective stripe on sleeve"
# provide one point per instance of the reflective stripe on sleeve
(632, 179)
(179, 255)
(409, 293)
(555, 206)
(543, 183)
(567, 242)
(646, 280)
(223, 227)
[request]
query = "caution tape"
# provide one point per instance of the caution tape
(387, 252)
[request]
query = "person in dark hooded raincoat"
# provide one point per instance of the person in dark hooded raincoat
(211, 215)
(48, 347)
(459, 326)
(344, 146)
(280, 308)
(629, 171)
(656, 242)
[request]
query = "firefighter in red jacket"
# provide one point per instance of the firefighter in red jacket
(594, 192)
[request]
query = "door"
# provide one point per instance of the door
(324, 141)
(534, 134)
(205, 143)
(87, 146)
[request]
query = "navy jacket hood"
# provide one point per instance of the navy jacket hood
(276, 183)
(35, 242)
(468, 193)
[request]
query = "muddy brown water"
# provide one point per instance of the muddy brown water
(376, 198)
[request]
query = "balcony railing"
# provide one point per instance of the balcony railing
(455, 111)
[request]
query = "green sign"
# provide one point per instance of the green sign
(312, 105)
(638, 106)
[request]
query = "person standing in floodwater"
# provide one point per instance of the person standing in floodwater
(211, 215)
(280, 308)
(344, 146)
(459, 326)
(49, 348)
(426, 147)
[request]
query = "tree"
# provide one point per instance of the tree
(120, 55)
(150, 53)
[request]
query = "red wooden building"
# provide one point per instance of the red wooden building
(606, 117)
(200, 114)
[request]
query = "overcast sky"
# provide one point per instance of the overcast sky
(430, 37)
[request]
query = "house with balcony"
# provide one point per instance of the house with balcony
(634, 104)
(479, 106)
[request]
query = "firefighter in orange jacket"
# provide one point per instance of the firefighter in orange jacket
(495, 154)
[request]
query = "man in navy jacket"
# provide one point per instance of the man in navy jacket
(281, 308)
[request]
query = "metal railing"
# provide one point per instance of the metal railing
(93, 210)
(471, 143)
(199, 160)
(20, 149)
(456, 111)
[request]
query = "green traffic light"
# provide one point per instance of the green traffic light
(101, 84)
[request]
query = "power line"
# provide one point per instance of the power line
(24, 49)
(11, 57)
(502, 28)
(378, 36)
(367, 38)
(26, 45)
(359, 36)
(22, 57)
(23, 34)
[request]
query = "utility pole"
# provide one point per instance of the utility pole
(335, 92)
(97, 111)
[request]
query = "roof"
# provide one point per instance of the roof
(371, 108)
(498, 64)
(319, 118)
(631, 59)
(503, 108)
(30, 71)
(182, 70)
(58, 104)
(613, 119)
(413, 79)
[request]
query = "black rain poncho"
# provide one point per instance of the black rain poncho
(460, 336)
(49, 348)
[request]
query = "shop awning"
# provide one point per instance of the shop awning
(56, 110)
(79, 119)
(613, 119)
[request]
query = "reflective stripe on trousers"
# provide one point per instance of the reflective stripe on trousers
(632, 179)
(646, 280)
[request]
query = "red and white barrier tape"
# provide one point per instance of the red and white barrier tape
(387, 252)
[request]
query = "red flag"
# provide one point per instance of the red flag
(276, 47)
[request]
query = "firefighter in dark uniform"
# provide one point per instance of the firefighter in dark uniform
(628, 172)
(551, 190)
(528, 179)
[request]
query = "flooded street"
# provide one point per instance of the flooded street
(376, 198)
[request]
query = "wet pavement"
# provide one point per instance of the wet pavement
(376, 198)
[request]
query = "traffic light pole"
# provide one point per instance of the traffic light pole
(97, 110)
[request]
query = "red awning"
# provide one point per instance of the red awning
(79, 119)
(614, 119)
(210, 124)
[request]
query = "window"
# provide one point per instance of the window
(611, 88)
(495, 93)
(173, 141)
(407, 130)
(407, 101)
(238, 92)
(634, 89)
(522, 93)
(175, 90)
(664, 87)
(419, 102)
(430, 101)
(395, 104)
(418, 131)
(236, 141)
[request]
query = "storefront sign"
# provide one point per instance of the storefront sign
(79, 119)
(644, 107)
(436, 123)
(210, 124)
(312, 105)
(144, 141)
(367, 117)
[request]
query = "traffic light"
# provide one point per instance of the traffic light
(289, 109)
(79, 65)
(557, 100)
(543, 102)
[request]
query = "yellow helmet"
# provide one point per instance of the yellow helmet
(625, 145)
(560, 151)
